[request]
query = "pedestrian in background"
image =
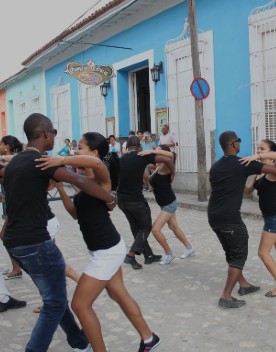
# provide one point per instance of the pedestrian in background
(114, 147)
(124, 146)
(65, 150)
(167, 138)
(148, 144)
(139, 134)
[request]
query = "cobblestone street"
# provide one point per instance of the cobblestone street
(179, 300)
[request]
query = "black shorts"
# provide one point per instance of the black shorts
(234, 241)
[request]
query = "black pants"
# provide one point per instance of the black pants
(234, 241)
(138, 215)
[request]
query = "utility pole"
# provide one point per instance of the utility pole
(200, 134)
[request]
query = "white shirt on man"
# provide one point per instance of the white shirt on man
(167, 139)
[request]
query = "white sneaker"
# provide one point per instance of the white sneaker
(187, 253)
(167, 258)
(88, 348)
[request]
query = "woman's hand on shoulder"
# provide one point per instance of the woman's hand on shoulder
(146, 152)
(45, 162)
(247, 159)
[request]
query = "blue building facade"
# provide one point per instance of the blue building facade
(150, 35)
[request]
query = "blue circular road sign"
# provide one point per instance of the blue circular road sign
(200, 88)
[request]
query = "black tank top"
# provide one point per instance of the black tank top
(267, 196)
(162, 189)
(95, 224)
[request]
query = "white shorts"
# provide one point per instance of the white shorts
(104, 263)
(52, 227)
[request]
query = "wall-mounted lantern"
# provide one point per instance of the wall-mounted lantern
(156, 71)
(104, 88)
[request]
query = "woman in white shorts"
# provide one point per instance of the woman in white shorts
(107, 249)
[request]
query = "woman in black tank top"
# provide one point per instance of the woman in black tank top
(106, 247)
(266, 187)
(160, 180)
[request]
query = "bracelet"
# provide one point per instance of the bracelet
(61, 160)
(111, 202)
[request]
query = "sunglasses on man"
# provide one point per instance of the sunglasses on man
(54, 131)
(236, 141)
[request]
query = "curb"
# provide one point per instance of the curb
(203, 207)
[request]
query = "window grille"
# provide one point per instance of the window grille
(19, 121)
(270, 119)
(35, 104)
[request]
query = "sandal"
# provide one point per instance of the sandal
(11, 275)
(38, 309)
(270, 294)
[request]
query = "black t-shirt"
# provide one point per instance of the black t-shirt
(162, 189)
(95, 224)
(26, 199)
(50, 214)
(228, 177)
(132, 167)
(267, 196)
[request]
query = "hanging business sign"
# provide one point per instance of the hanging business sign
(89, 73)
(200, 88)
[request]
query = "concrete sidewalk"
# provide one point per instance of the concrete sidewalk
(250, 208)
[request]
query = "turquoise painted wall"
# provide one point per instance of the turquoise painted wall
(52, 77)
(22, 90)
(229, 22)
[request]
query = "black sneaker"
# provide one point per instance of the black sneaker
(12, 304)
(146, 347)
(153, 258)
(231, 303)
(132, 261)
(245, 290)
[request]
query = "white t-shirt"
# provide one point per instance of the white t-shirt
(167, 139)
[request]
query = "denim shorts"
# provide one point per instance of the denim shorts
(170, 208)
(270, 224)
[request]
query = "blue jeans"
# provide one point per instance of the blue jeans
(45, 265)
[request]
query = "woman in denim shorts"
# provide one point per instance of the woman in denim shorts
(266, 187)
(161, 180)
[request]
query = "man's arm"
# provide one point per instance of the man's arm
(86, 184)
(268, 169)
(168, 161)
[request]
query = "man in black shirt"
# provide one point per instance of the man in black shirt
(228, 177)
(132, 202)
(27, 239)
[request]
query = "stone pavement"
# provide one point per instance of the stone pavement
(179, 300)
